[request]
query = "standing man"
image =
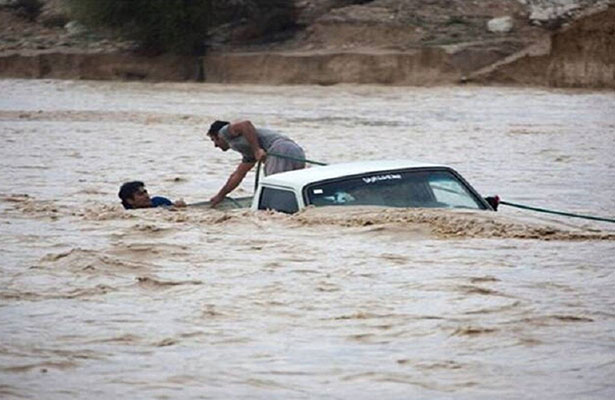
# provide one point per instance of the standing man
(253, 144)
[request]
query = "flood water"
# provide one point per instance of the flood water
(97, 302)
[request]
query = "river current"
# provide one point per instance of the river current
(98, 302)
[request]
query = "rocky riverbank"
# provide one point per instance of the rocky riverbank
(560, 43)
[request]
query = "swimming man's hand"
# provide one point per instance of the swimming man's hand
(179, 203)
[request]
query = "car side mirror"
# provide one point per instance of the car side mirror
(494, 201)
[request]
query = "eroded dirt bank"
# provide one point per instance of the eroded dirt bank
(113, 65)
(426, 66)
(354, 44)
(420, 67)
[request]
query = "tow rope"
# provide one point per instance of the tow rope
(296, 159)
(278, 155)
(506, 203)
(566, 214)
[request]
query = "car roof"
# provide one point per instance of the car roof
(301, 177)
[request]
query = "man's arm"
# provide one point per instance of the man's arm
(233, 181)
(248, 131)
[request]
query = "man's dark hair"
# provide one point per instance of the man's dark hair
(127, 191)
(216, 126)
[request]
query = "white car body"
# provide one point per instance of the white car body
(295, 182)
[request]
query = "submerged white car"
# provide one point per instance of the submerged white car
(373, 183)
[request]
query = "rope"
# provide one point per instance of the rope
(296, 158)
(567, 214)
(258, 173)
(258, 166)
(206, 203)
(233, 201)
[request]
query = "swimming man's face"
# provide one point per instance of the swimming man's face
(140, 199)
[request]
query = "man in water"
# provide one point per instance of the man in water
(134, 195)
(253, 144)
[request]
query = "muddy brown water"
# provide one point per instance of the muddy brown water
(97, 302)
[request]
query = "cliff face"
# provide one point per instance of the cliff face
(579, 55)
(584, 54)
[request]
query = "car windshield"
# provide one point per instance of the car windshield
(410, 188)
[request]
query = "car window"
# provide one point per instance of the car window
(410, 188)
(278, 200)
(448, 190)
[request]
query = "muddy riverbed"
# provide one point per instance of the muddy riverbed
(359, 303)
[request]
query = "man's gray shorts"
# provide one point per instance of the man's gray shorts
(274, 164)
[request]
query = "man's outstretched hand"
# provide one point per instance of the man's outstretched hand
(217, 199)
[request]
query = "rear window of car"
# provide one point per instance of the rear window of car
(278, 200)
(428, 188)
